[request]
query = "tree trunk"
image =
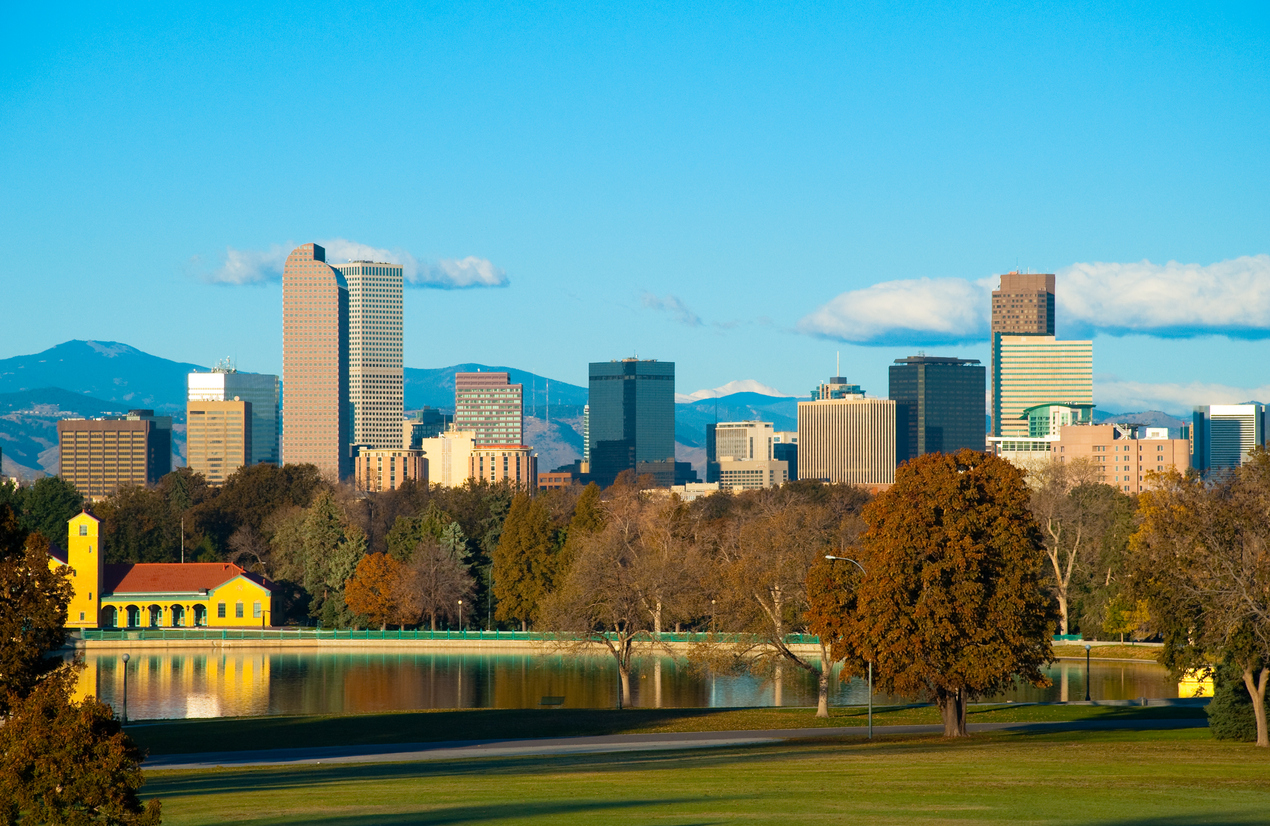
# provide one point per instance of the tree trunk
(822, 703)
(952, 709)
(433, 617)
(625, 672)
(1257, 690)
(780, 685)
(1062, 611)
(657, 621)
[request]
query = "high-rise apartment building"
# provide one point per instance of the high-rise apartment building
(218, 438)
(631, 421)
(1024, 304)
(375, 377)
(490, 406)
(316, 426)
(226, 384)
(100, 456)
(848, 440)
(1224, 435)
(940, 405)
(1037, 370)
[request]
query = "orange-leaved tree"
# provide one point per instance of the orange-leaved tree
(951, 605)
(374, 591)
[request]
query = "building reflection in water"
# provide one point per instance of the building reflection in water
(234, 682)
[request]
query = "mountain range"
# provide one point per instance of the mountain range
(93, 378)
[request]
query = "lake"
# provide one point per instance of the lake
(237, 682)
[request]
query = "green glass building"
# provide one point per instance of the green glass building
(632, 419)
(941, 405)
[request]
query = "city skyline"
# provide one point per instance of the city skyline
(743, 192)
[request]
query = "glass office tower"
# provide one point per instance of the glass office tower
(940, 405)
(632, 419)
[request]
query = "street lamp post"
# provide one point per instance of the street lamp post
(460, 615)
(1086, 672)
(125, 689)
(833, 558)
(711, 616)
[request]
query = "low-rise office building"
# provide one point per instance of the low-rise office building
(449, 457)
(376, 469)
(514, 464)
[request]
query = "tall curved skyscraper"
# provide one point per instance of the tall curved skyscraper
(316, 425)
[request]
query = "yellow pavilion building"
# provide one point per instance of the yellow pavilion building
(156, 594)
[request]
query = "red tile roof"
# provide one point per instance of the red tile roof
(173, 577)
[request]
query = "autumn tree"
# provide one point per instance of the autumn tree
(69, 762)
(45, 507)
(375, 590)
(1201, 561)
(951, 604)
(33, 602)
(1074, 511)
(330, 550)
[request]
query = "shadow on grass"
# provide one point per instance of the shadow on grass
(1224, 819)
(477, 814)
(274, 778)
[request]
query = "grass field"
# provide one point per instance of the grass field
(245, 733)
(1108, 652)
(1123, 778)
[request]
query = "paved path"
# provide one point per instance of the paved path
(460, 749)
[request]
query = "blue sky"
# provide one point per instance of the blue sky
(742, 189)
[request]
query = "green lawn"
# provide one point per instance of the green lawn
(245, 733)
(1123, 778)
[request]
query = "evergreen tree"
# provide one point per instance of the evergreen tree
(525, 560)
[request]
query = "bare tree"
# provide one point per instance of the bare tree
(436, 579)
(764, 555)
(1073, 514)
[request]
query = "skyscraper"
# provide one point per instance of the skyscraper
(1036, 370)
(374, 351)
(225, 384)
(1225, 434)
(1029, 365)
(217, 438)
(631, 423)
(1024, 304)
(489, 405)
(849, 439)
(316, 425)
(939, 405)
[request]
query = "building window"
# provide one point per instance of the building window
(90, 596)
(238, 610)
(83, 530)
(220, 610)
(81, 616)
(255, 610)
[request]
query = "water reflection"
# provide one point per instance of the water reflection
(235, 682)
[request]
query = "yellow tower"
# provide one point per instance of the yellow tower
(88, 568)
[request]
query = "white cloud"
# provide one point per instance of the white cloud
(260, 266)
(1177, 300)
(459, 273)
(250, 266)
(1228, 297)
(1118, 395)
(927, 310)
(674, 305)
(741, 386)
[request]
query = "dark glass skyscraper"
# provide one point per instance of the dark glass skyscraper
(940, 405)
(632, 419)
